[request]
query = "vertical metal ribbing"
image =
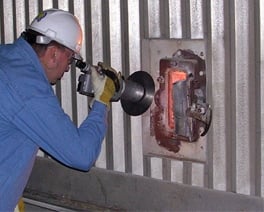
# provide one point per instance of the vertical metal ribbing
(134, 59)
(154, 19)
(175, 18)
(245, 140)
(217, 53)
(256, 152)
(164, 19)
(196, 12)
(46, 4)
(254, 93)
(81, 101)
(196, 19)
(177, 171)
(154, 30)
(185, 18)
(258, 107)
(261, 12)
(156, 170)
(106, 58)
(33, 9)
(65, 91)
(230, 96)
(116, 62)
(1, 23)
(20, 19)
(125, 41)
(8, 25)
(198, 174)
(97, 51)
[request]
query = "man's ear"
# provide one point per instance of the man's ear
(50, 57)
(52, 53)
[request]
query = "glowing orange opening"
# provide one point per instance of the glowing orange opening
(174, 75)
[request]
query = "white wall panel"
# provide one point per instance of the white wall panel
(66, 81)
(32, 9)
(8, 21)
(153, 18)
(134, 65)
(175, 13)
(177, 171)
(20, 17)
(82, 103)
(198, 174)
(218, 92)
(196, 19)
(47, 4)
(243, 72)
(156, 168)
(116, 62)
(262, 92)
(97, 55)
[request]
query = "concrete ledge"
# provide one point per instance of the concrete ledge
(116, 190)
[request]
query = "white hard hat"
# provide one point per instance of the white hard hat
(60, 26)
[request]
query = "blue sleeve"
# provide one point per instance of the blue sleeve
(44, 121)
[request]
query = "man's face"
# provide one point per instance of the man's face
(57, 61)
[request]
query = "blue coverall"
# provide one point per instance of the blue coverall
(31, 118)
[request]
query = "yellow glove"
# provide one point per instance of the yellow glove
(20, 206)
(103, 86)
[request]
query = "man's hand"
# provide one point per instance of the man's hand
(103, 86)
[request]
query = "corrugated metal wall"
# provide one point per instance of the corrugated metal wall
(234, 34)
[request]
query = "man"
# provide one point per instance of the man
(30, 114)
